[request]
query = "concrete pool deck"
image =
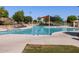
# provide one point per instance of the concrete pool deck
(12, 43)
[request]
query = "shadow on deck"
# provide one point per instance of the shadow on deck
(76, 34)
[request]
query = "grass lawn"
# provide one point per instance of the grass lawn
(30, 48)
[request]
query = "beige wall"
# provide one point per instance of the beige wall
(76, 24)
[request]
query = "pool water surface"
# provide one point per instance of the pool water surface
(38, 30)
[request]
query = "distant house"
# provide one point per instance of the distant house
(46, 19)
(6, 21)
(76, 23)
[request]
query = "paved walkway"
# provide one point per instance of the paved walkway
(16, 43)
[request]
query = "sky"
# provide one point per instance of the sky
(39, 11)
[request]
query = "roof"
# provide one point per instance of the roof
(46, 17)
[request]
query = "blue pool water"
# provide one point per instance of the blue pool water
(38, 30)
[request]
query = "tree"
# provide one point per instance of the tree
(56, 19)
(46, 18)
(18, 16)
(39, 18)
(71, 18)
(1, 7)
(3, 12)
(35, 21)
(27, 19)
(53, 19)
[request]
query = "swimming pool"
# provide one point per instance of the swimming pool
(38, 30)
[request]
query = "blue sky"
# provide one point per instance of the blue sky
(38, 11)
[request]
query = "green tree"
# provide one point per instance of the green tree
(46, 19)
(71, 18)
(1, 7)
(3, 12)
(35, 21)
(18, 16)
(28, 19)
(39, 18)
(57, 20)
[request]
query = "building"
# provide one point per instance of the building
(76, 23)
(46, 19)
